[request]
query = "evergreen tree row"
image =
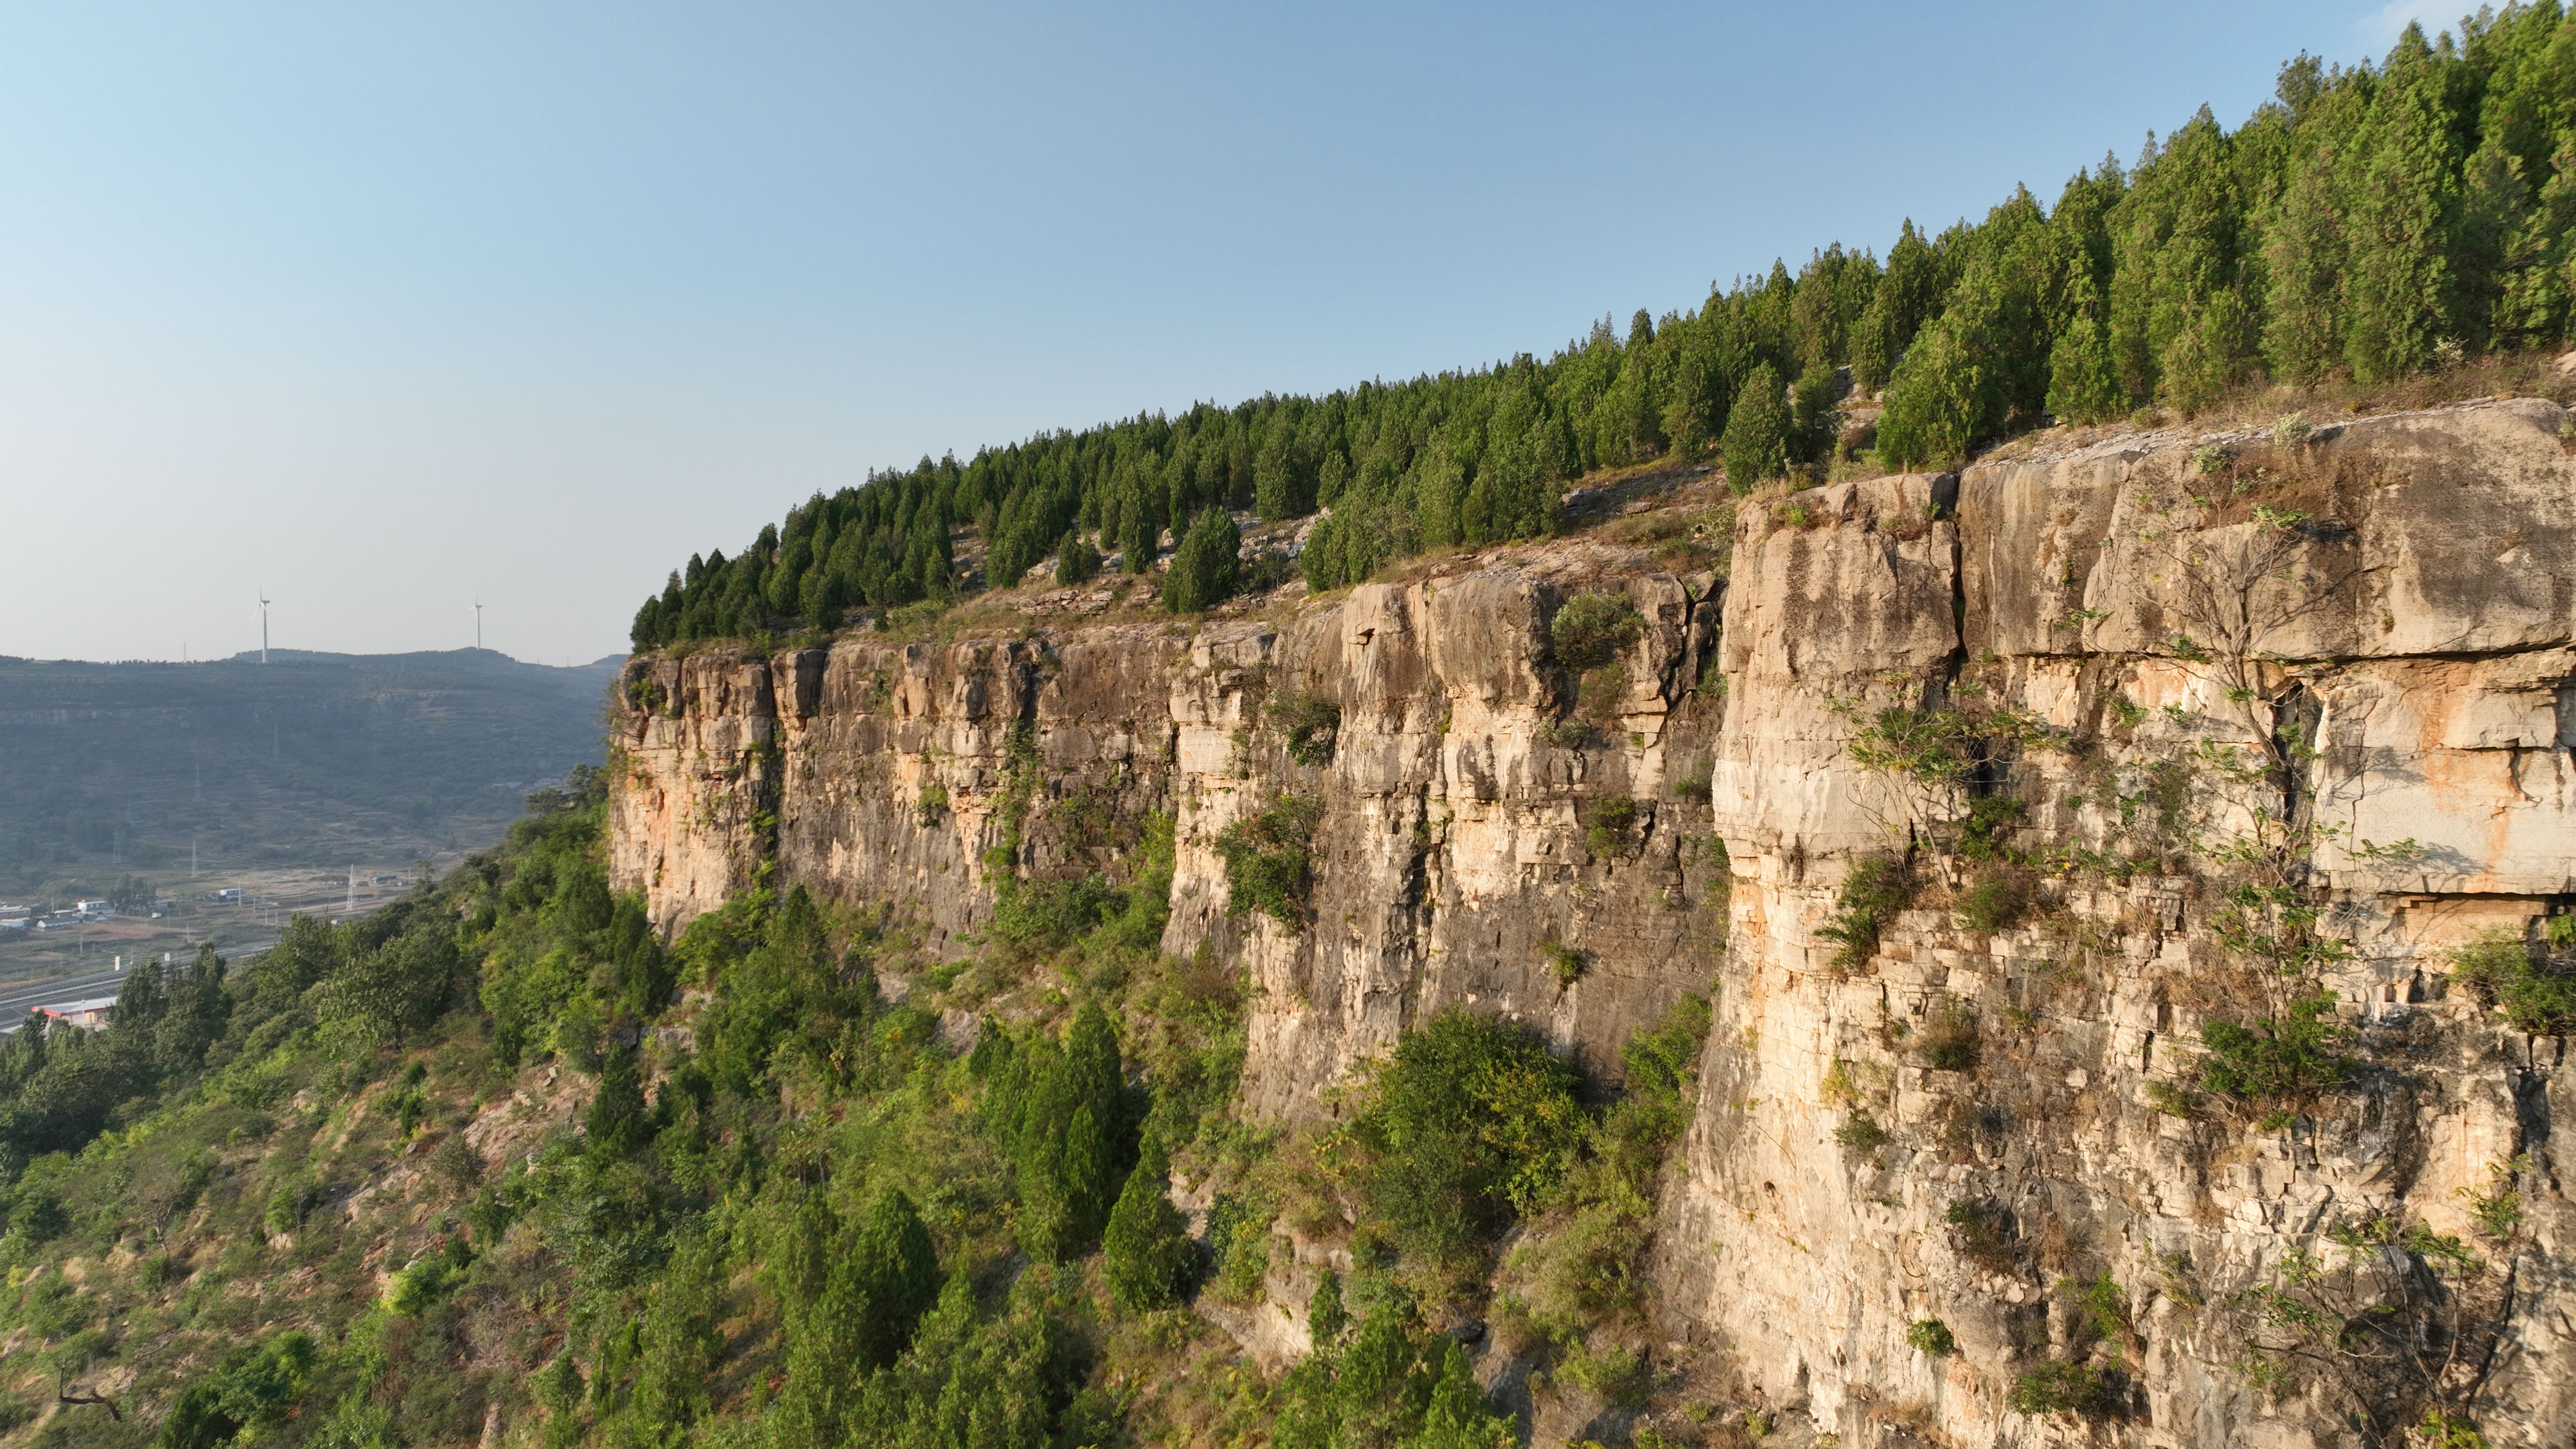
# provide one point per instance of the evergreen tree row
(2371, 222)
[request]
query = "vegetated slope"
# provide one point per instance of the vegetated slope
(310, 759)
(2371, 222)
(472, 1170)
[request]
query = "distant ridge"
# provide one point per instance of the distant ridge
(315, 758)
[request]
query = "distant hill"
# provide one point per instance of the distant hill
(310, 759)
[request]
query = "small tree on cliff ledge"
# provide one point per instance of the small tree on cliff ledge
(1207, 567)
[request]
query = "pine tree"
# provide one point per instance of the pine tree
(1326, 1319)
(1756, 445)
(2083, 383)
(2402, 211)
(1141, 540)
(1146, 1252)
(2303, 255)
(618, 1122)
(1076, 561)
(1458, 1417)
(1206, 567)
(1906, 297)
(895, 1276)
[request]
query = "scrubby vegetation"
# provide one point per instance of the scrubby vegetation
(1269, 859)
(1874, 890)
(2531, 985)
(1471, 1128)
(2376, 222)
(501, 1155)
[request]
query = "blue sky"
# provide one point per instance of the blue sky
(384, 308)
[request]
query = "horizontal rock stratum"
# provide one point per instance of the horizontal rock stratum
(2065, 706)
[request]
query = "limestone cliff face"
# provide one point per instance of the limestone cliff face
(1452, 853)
(1959, 1119)
(2391, 603)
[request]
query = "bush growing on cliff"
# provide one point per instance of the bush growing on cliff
(1309, 724)
(1996, 900)
(1874, 890)
(1269, 859)
(2059, 1387)
(1468, 1122)
(2283, 1059)
(1391, 1383)
(2532, 989)
(1591, 629)
(1609, 825)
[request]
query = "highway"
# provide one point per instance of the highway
(17, 1000)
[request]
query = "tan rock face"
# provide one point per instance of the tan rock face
(1453, 852)
(2401, 589)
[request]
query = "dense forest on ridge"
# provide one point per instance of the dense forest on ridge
(2370, 222)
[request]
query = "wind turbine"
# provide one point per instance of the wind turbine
(263, 624)
(478, 623)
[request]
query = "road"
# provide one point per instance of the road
(17, 1000)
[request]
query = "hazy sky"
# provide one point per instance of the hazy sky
(384, 308)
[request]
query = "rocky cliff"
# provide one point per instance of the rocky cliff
(1455, 850)
(2022, 780)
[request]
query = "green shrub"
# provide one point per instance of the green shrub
(290, 1204)
(1609, 825)
(1998, 899)
(1983, 1235)
(1693, 787)
(1076, 561)
(1269, 859)
(1862, 1133)
(932, 806)
(1932, 1337)
(1239, 1244)
(1614, 1373)
(2535, 992)
(1949, 1042)
(1590, 629)
(1565, 962)
(427, 1278)
(2173, 1101)
(1048, 915)
(1326, 1317)
(1310, 724)
(1469, 1123)
(2058, 1387)
(2275, 1060)
(2099, 1309)
(2498, 1210)
(1388, 1383)
(1874, 890)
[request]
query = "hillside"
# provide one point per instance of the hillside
(309, 760)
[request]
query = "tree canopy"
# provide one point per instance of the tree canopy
(2372, 221)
